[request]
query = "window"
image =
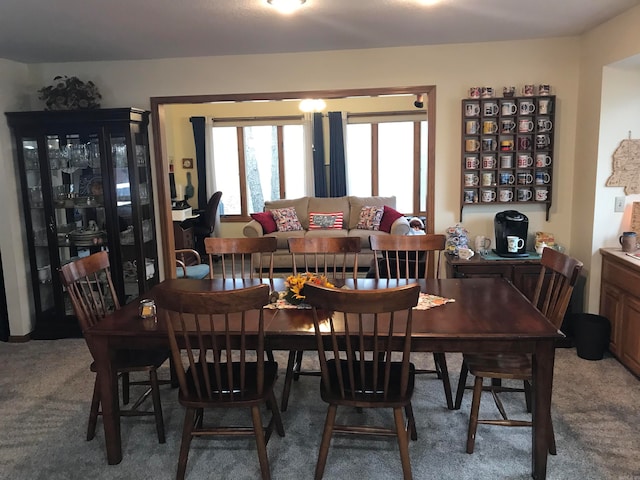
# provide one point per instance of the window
(388, 156)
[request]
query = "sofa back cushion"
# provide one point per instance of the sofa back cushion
(300, 204)
(356, 204)
(330, 205)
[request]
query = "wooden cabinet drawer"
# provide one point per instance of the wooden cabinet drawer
(616, 274)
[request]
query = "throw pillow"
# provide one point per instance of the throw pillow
(286, 219)
(389, 216)
(266, 220)
(325, 220)
(370, 217)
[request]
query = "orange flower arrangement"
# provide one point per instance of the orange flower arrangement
(295, 286)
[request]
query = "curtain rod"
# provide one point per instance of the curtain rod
(299, 117)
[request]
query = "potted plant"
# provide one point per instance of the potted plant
(70, 93)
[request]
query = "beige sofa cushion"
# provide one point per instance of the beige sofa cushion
(300, 204)
(357, 203)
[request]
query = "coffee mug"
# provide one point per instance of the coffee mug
(490, 109)
(541, 194)
(507, 126)
(524, 143)
(482, 244)
(524, 161)
(506, 178)
(465, 253)
(506, 145)
(488, 144)
(489, 161)
(472, 110)
(488, 179)
(543, 141)
(514, 244)
(488, 195)
(544, 106)
(524, 194)
(528, 90)
(489, 127)
(509, 108)
(542, 178)
(544, 89)
(471, 127)
(474, 92)
(542, 160)
(472, 145)
(524, 178)
(506, 161)
(486, 92)
(525, 125)
(527, 107)
(508, 92)
(471, 162)
(629, 241)
(470, 196)
(471, 179)
(544, 125)
(506, 195)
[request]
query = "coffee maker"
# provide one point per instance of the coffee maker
(511, 223)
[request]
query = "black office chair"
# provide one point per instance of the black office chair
(203, 225)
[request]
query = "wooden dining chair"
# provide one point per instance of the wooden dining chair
(558, 276)
(90, 287)
(364, 348)
(223, 365)
(189, 264)
(239, 258)
(412, 257)
(327, 256)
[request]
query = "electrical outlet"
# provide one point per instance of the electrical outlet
(619, 205)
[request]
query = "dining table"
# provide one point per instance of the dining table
(483, 315)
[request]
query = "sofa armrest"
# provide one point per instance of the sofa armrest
(400, 226)
(253, 229)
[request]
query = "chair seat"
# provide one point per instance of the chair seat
(221, 392)
(365, 396)
(196, 272)
(515, 366)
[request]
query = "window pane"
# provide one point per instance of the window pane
(294, 163)
(424, 171)
(225, 154)
(261, 164)
(359, 159)
(395, 163)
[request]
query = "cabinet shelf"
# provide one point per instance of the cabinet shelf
(507, 151)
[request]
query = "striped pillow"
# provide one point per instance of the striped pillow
(325, 220)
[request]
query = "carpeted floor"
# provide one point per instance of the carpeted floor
(46, 388)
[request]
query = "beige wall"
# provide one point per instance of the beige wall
(572, 66)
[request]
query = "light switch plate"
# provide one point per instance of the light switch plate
(619, 205)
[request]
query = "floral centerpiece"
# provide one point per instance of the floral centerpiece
(70, 93)
(295, 286)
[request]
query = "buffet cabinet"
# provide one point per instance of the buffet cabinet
(86, 187)
(620, 303)
(507, 151)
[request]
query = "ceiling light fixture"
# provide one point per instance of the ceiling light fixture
(286, 6)
(312, 105)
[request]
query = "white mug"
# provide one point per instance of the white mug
(488, 196)
(465, 253)
(541, 194)
(544, 106)
(542, 160)
(514, 244)
(482, 244)
(509, 108)
(506, 195)
(472, 110)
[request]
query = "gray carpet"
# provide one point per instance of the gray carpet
(46, 388)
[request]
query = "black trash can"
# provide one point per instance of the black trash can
(591, 335)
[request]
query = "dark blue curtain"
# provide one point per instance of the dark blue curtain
(337, 166)
(319, 174)
(199, 124)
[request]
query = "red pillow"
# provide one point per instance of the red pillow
(266, 220)
(389, 216)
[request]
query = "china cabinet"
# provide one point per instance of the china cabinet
(507, 151)
(86, 186)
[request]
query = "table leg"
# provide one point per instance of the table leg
(543, 360)
(109, 404)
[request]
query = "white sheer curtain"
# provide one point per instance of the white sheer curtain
(210, 184)
(307, 124)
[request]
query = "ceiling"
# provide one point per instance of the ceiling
(37, 31)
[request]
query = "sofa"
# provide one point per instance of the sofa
(327, 217)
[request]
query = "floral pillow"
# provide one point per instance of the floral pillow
(286, 219)
(325, 220)
(370, 217)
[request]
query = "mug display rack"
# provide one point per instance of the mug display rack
(507, 151)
